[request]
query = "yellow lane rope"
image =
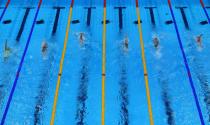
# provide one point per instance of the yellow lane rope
(145, 68)
(103, 69)
(61, 68)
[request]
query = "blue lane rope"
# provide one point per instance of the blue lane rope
(2, 14)
(187, 66)
(5, 8)
(205, 11)
(206, 14)
(19, 68)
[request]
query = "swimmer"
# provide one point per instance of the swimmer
(126, 43)
(199, 40)
(125, 46)
(156, 42)
(7, 50)
(81, 37)
(44, 46)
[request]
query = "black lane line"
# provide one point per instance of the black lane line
(187, 66)
(168, 22)
(43, 88)
(120, 14)
(75, 21)
(136, 21)
(166, 100)
(184, 16)
(22, 24)
(82, 96)
(124, 112)
(203, 80)
(20, 66)
(107, 22)
(7, 21)
(89, 14)
(151, 11)
(4, 86)
(168, 109)
(5, 76)
(204, 83)
(55, 25)
(204, 22)
(40, 22)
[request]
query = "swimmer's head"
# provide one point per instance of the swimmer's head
(155, 40)
(44, 46)
(82, 37)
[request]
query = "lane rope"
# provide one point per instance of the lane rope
(20, 66)
(103, 67)
(4, 11)
(61, 65)
(205, 11)
(144, 65)
(186, 65)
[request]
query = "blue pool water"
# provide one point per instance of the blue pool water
(80, 94)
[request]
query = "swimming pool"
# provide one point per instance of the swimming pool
(95, 78)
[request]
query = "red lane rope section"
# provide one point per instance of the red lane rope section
(202, 4)
(104, 3)
(4, 11)
(40, 2)
(72, 3)
(137, 3)
(205, 11)
(8, 3)
(19, 68)
(169, 3)
(187, 66)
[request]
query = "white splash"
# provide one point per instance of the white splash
(158, 53)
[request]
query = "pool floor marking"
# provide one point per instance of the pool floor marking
(5, 8)
(89, 14)
(55, 25)
(184, 17)
(103, 67)
(120, 14)
(152, 16)
(20, 66)
(144, 66)
(205, 11)
(186, 65)
(61, 65)
(23, 24)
